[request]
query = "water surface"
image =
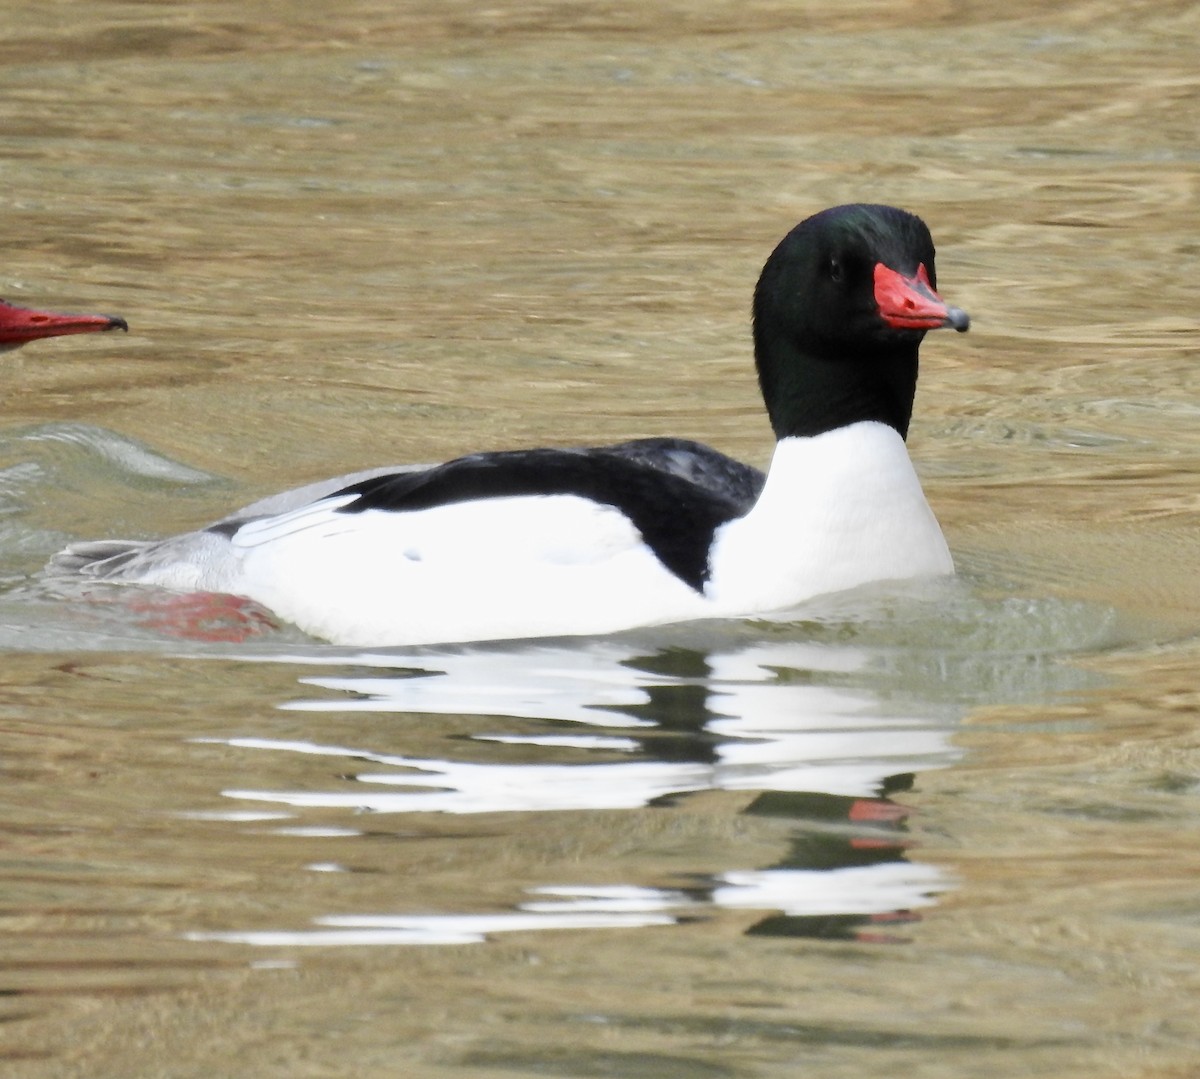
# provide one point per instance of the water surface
(950, 832)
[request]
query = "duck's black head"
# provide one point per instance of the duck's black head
(840, 310)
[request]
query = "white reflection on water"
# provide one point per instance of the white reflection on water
(858, 889)
(462, 787)
(862, 890)
(762, 717)
(753, 728)
(430, 929)
(616, 907)
(595, 684)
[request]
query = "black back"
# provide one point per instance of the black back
(675, 516)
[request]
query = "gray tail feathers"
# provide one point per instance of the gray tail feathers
(97, 559)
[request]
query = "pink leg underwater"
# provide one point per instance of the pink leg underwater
(204, 616)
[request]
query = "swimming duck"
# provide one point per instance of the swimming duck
(551, 542)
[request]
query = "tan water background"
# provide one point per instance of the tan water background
(347, 234)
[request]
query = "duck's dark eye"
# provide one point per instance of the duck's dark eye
(835, 270)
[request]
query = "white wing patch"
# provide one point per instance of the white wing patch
(539, 565)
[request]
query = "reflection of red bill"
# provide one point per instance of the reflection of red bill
(878, 810)
(910, 303)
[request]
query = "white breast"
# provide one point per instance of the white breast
(839, 510)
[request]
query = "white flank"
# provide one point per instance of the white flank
(489, 569)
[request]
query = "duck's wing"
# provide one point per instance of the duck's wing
(674, 516)
(695, 462)
(674, 491)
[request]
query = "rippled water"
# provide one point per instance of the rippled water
(944, 832)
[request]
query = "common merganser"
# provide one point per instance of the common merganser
(20, 325)
(551, 542)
